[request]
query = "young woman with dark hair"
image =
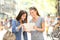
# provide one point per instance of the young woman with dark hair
(17, 25)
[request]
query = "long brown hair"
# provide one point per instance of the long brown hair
(20, 14)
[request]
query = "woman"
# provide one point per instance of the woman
(39, 25)
(17, 25)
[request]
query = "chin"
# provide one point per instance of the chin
(33, 16)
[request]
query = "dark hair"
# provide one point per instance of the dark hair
(33, 8)
(20, 14)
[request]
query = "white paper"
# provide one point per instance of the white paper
(29, 26)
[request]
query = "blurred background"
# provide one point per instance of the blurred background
(9, 9)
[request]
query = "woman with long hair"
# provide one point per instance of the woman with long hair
(16, 25)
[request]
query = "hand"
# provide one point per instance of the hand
(20, 26)
(26, 29)
(35, 27)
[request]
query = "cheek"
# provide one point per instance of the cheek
(32, 14)
(23, 17)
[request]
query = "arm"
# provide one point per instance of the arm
(14, 27)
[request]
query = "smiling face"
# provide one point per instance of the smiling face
(33, 13)
(23, 17)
